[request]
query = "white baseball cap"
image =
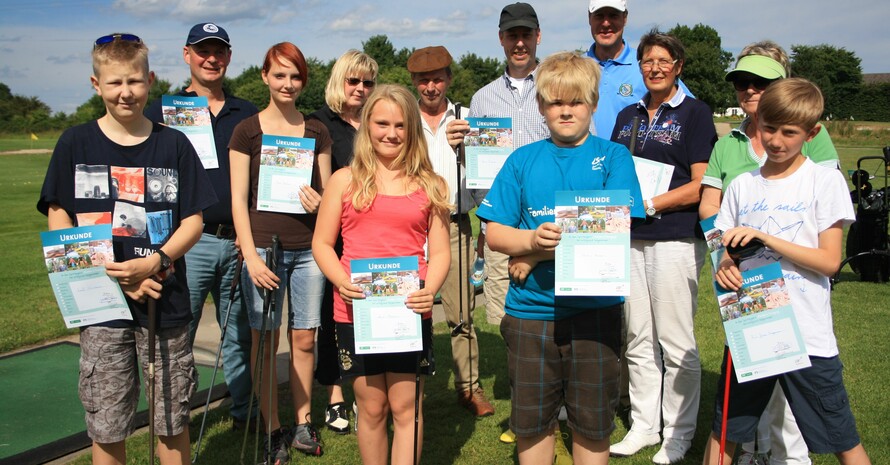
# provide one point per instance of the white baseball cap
(620, 5)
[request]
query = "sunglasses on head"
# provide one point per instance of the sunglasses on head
(357, 81)
(112, 37)
(759, 83)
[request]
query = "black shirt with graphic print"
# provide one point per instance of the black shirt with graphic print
(143, 191)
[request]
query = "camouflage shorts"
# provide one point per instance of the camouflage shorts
(109, 389)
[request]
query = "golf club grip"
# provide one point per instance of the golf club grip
(236, 279)
(276, 246)
(634, 128)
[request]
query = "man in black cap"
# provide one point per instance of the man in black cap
(509, 96)
(430, 69)
(211, 263)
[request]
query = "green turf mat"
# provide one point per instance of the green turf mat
(40, 415)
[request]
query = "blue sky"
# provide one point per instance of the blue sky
(45, 44)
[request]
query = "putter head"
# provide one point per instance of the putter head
(458, 329)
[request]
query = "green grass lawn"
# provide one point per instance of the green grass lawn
(29, 315)
(11, 142)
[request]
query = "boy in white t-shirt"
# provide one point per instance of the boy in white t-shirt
(798, 210)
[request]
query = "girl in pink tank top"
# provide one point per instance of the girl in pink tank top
(387, 203)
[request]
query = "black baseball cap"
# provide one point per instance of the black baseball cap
(518, 15)
(203, 31)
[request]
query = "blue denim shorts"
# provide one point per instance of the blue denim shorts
(304, 281)
(817, 398)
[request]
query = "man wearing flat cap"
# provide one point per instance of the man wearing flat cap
(430, 69)
(212, 261)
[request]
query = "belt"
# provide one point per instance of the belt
(462, 217)
(222, 231)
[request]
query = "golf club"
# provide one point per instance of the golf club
(460, 255)
(152, 320)
(235, 281)
(268, 308)
(725, 407)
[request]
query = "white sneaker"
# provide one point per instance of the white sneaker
(632, 443)
(672, 451)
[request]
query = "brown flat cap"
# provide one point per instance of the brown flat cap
(429, 59)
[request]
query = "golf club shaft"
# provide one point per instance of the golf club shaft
(235, 282)
(152, 323)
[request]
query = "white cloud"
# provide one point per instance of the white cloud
(196, 10)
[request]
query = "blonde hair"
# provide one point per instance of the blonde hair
(120, 51)
(414, 158)
(770, 49)
(351, 64)
(792, 101)
(568, 76)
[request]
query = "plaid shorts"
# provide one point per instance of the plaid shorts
(109, 384)
(573, 361)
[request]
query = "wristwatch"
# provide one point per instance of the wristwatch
(650, 207)
(166, 263)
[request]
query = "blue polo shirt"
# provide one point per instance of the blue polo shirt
(523, 197)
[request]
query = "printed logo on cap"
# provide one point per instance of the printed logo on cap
(211, 28)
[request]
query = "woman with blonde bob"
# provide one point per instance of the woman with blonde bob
(350, 84)
(387, 203)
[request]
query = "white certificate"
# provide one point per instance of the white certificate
(286, 165)
(382, 322)
(487, 146)
(75, 259)
(593, 256)
(761, 329)
(654, 177)
(191, 116)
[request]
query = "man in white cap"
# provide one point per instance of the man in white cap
(430, 69)
(622, 83)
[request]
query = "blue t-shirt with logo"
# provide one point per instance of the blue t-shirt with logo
(523, 196)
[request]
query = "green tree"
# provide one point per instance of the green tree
(471, 73)
(381, 50)
(706, 64)
(249, 85)
(836, 71)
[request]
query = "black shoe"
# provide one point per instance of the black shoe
(276, 450)
(336, 418)
(305, 439)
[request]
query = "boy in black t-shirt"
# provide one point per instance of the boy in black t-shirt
(152, 190)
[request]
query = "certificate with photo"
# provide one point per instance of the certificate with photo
(761, 330)
(714, 238)
(593, 255)
(487, 146)
(285, 166)
(191, 116)
(75, 259)
(383, 323)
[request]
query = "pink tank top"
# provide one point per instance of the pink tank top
(394, 226)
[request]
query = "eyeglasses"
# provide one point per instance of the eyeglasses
(759, 83)
(663, 65)
(357, 81)
(104, 40)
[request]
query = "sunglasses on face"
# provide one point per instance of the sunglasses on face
(104, 40)
(759, 83)
(357, 81)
